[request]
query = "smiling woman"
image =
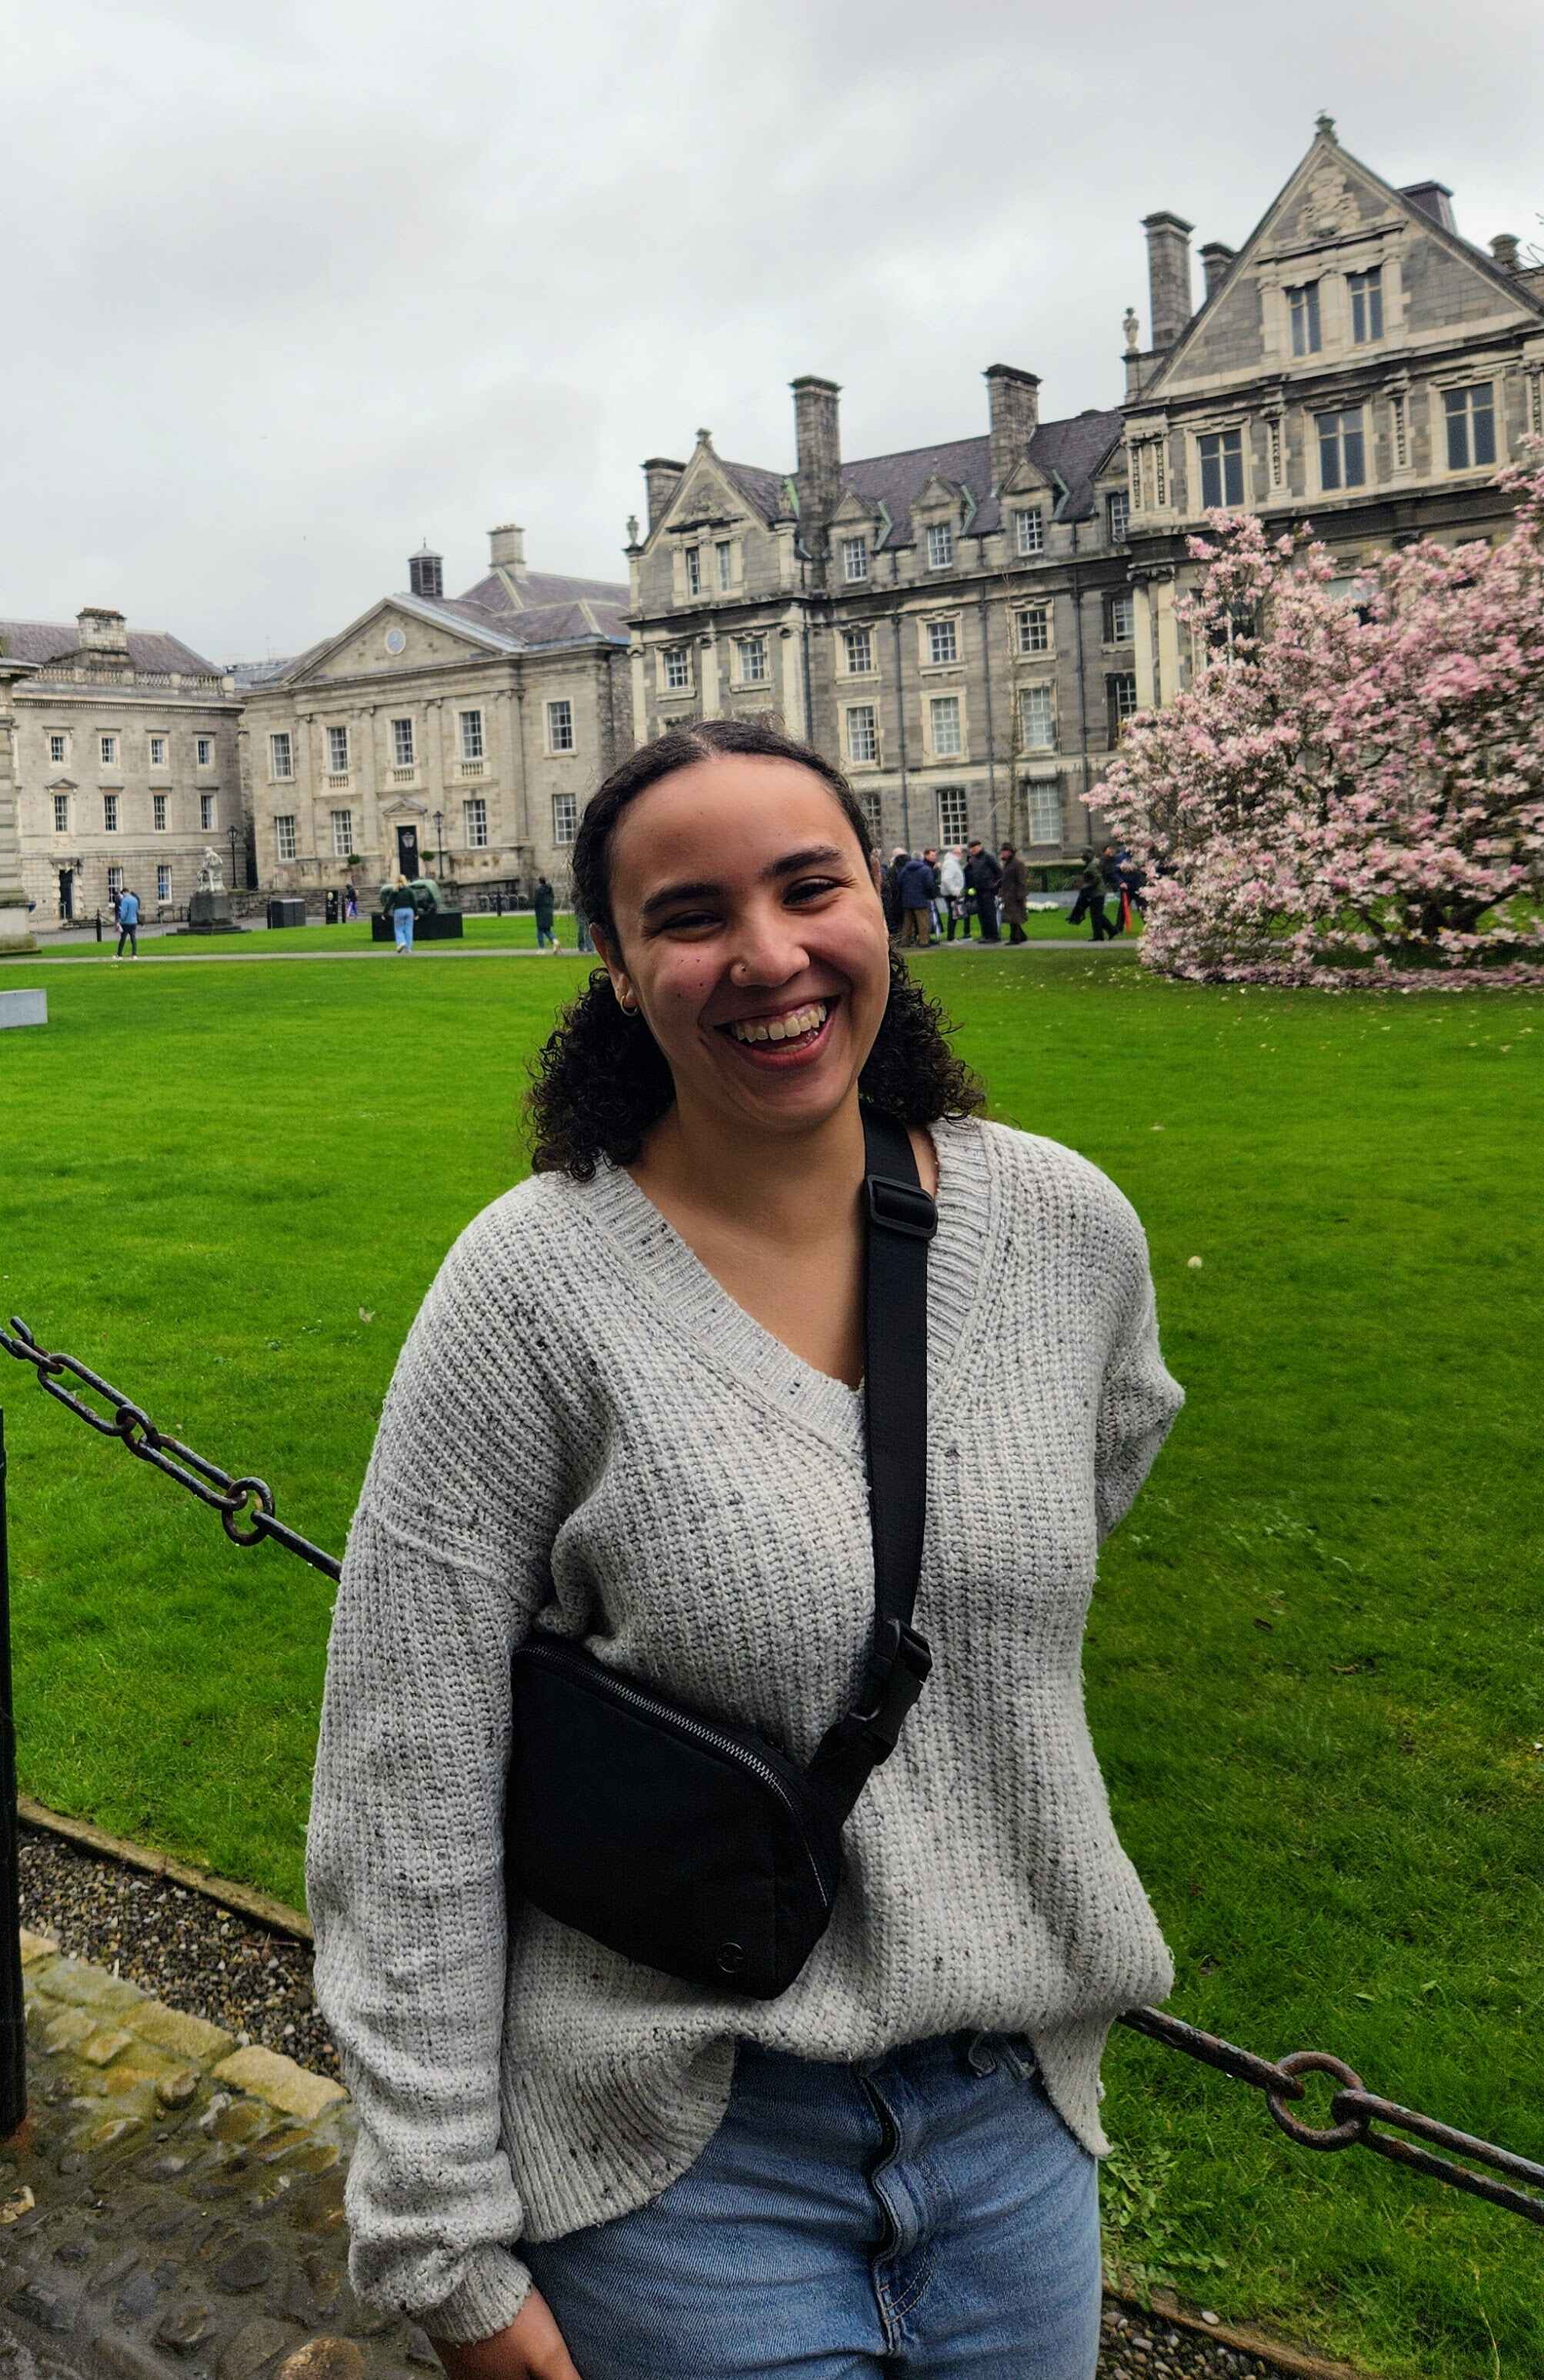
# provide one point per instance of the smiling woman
(627, 1417)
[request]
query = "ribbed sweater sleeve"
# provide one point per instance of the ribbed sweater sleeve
(1137, 1400)
(447, 1560)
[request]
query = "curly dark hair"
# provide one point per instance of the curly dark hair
(601, 1080)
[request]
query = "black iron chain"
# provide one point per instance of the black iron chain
(246, 1509)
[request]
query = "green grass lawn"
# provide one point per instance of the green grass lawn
(514, 932)
(1314, 1660)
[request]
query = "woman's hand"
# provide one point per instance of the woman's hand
(530, 2348)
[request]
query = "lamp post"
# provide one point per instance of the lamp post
(440, 838)
(233, 858)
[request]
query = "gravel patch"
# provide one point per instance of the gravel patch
(187, 1950)
(211, 1963)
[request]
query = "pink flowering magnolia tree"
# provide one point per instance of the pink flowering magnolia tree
(1348, 790)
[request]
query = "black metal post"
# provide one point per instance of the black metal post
(99, 925)
(13, 2014)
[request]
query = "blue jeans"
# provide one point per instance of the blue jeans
(922, 2213)
(544, 936)
(401, 920)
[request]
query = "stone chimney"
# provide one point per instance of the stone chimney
(506, 549)
(661, 480)
(1013, 410)
(1435, 199)
(817, 439)
(1504, 251)
(425, 573)
(1168, 275)
(1215, 258)
(100, 631)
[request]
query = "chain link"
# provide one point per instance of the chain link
(246, 1514)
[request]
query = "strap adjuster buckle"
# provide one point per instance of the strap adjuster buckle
(902, 1206)
(898, 1670)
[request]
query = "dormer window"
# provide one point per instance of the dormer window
(1117, 513)
(940, 545)
(1367, 304)
(693, 570)
(854, 559)
(1303, 304)
(1032, 531)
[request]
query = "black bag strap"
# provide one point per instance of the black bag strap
(901, 1220)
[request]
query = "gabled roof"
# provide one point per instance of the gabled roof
(535, 588)
(55, 641)
(768, 491)
(1067, 452)
(546, 609)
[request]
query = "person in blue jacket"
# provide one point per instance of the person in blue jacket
(917, 883)
(129, 925)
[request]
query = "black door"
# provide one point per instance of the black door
(407, 850)
(67, 894)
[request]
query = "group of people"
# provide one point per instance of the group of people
(930, 894)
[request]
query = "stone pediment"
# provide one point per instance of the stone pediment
(392, 637)
(62, 786)
(1027, 479)
(937, 496)
(852, 511)
(704, 499)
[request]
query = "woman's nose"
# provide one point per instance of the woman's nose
(768, 950)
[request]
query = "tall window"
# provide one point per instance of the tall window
(337, 751)
(565, 817)
(158, 813)
(954, 814)
(1036, 721)
(1120, 620)
(110, 813)
(114, 881)
(724, 556)
(163, 882)
(1367, 304)
(57, 747)
(158, 752)
(678, 668)
(945, 709)
(559, 726)
(854, 559)
(1471, 425)
(857, 646)
(1030, 530)
(206, 812)
(283, 838)
(943, 640)
(1118, 512)
(1342, 459)
(1222, 468)
(752, 660)
(477, 825)
(940, 546)
(1303, 304)
(1034, 629)
(402, 743)
(872, 808)
(471, 735)
(694, 571)
(863, 731)
(204, 745)
(1042, 812)
(280, 756)
(343, 834)
(61, 814)
(1122, 697)
(109, 751)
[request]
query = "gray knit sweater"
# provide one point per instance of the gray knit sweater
(583, 1423)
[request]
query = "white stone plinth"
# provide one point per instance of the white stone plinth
(23, 1008)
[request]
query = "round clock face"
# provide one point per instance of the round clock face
(395, 640)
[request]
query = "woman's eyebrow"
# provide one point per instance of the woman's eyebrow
(815, 855)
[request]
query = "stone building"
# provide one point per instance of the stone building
(126, 765)
(953, 621)
(456, 736)
(1357, 364)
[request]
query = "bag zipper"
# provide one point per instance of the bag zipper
(611, 1683)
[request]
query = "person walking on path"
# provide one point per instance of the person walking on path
(934, 906)
(572, 2166)
(916, 884)
(951, 883)
(984, 876)
(889, 890)
(402, 909)
(1109, 870)
(129, 925)
(351, 900)
(1016, 893)
(543, 902)
(580, 921)
(1089, 903)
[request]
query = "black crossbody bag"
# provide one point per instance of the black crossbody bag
(688, 1842)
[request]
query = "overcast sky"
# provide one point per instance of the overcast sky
(287, 289)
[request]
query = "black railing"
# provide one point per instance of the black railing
(1360, 2118)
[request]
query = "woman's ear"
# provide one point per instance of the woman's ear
(610, 959)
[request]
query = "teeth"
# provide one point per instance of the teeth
(783, 1028)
